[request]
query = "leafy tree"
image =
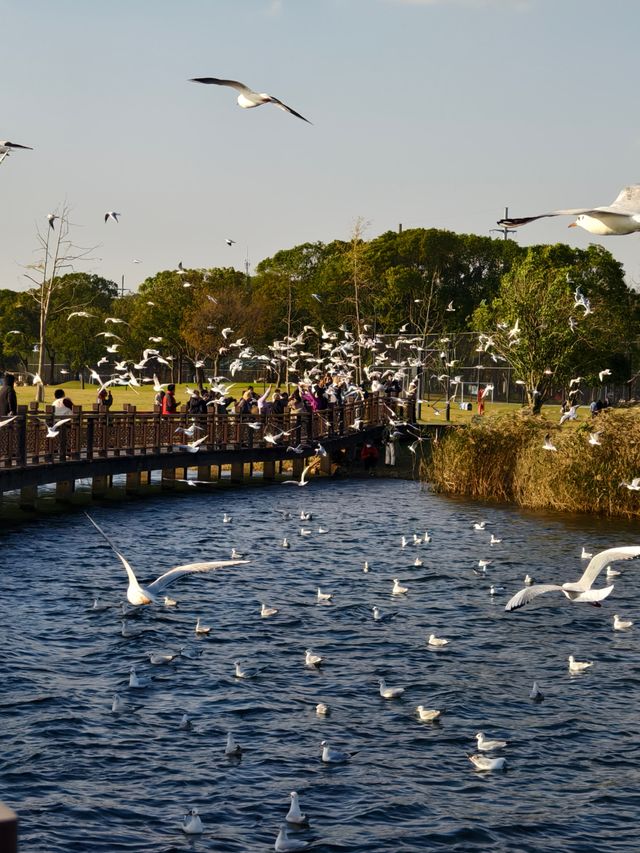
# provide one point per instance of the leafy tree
(536, 326)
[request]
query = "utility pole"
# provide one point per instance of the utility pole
(504, 231)
(246, 267)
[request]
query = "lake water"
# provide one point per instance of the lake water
(83, 779)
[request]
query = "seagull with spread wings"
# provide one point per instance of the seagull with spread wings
(151, 594)
(247, 97)
(622, 216)
(579, 590)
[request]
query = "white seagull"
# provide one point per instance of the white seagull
(483, 762)
(53, 431)
(322, 709)
(301, 482)
(7, 147)
(266, 611)
(389, 692)
(284, 844)
(311, 659)
(438, 642)
(111, 214)
(621, 624)
(427, 715)
(398, 589)
(578, 665)
(622, 216)
(294, 815)
(487, 745)
(192, 824)
(334, 756)
(535, 693)
(150, 594)
(232, 747)
(247, 97)
(579, 590)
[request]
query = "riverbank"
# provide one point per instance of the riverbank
(503, 459)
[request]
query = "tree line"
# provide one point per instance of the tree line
(419, 281)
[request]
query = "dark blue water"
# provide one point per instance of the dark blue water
(82, 779)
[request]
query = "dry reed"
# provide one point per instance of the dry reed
(502, 459)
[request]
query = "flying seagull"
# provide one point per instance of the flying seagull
(579, 590)
(622, 216)
(111, 214)
(229, 241)
(150, 594)
(247, 97)
(7, 147)
(51, 218)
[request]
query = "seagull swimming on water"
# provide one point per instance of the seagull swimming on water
(579, 590)
(247, 97)
(150, 594)
(622, 216)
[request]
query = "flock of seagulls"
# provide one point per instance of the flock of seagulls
(486, 756)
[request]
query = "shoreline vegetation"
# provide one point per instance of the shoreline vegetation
(501, 458)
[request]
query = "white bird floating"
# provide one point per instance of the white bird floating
(365, 567)
(585, 555)
(247, 97)
(324, 596)
(437, 642)
(242, 672)
(200, 628)
(528, 580)
(494, 540)
(484, 762)
(334, 756)
(137, 594)
(294, 815)
(622, 216)
(428, 715)
(266, 611)
(488, 745)
(285, 844)
(579, 590)
(578, 665)
(185, 723)
(311, 659)
(192, 824)
(390, 692)
(621, 624)
(322, 709)
(285, 543)
(398, 589)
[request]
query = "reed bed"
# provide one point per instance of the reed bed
(502, 459)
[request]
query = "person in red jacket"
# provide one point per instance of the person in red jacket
(369, 456)
(169, 402)
(480, 400)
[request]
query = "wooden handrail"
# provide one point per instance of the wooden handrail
(101, 433)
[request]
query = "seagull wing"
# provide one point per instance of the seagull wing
(189, 568)
(122, 559)
(571, 211)
(627, 201)
(216, 81)
(287, 109)
(304, 474)
(529, 593)
(58, 424)
(600, 561)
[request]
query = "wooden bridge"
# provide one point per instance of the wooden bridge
(101, 444)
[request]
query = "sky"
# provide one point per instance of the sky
(425, 113)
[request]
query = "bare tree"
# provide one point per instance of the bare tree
(58, 254)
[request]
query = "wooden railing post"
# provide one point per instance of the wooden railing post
(21, 444)
(90, 432)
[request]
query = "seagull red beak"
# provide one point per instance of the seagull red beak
(572, 225)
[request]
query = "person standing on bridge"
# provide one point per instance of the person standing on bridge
(8, 399)
(62, 406)
(169, 402)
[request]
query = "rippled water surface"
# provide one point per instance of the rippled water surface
(83, 779)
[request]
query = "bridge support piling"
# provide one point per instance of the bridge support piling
(325, 465)
(269, 470)
(65, 490)
(237, 472)
(99, 486)
(297, 468)
(132, 484)
(168, 480)
(28, 497)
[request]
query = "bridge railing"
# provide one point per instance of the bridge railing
(100, 433)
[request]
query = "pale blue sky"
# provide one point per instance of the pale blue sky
(430, 113)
